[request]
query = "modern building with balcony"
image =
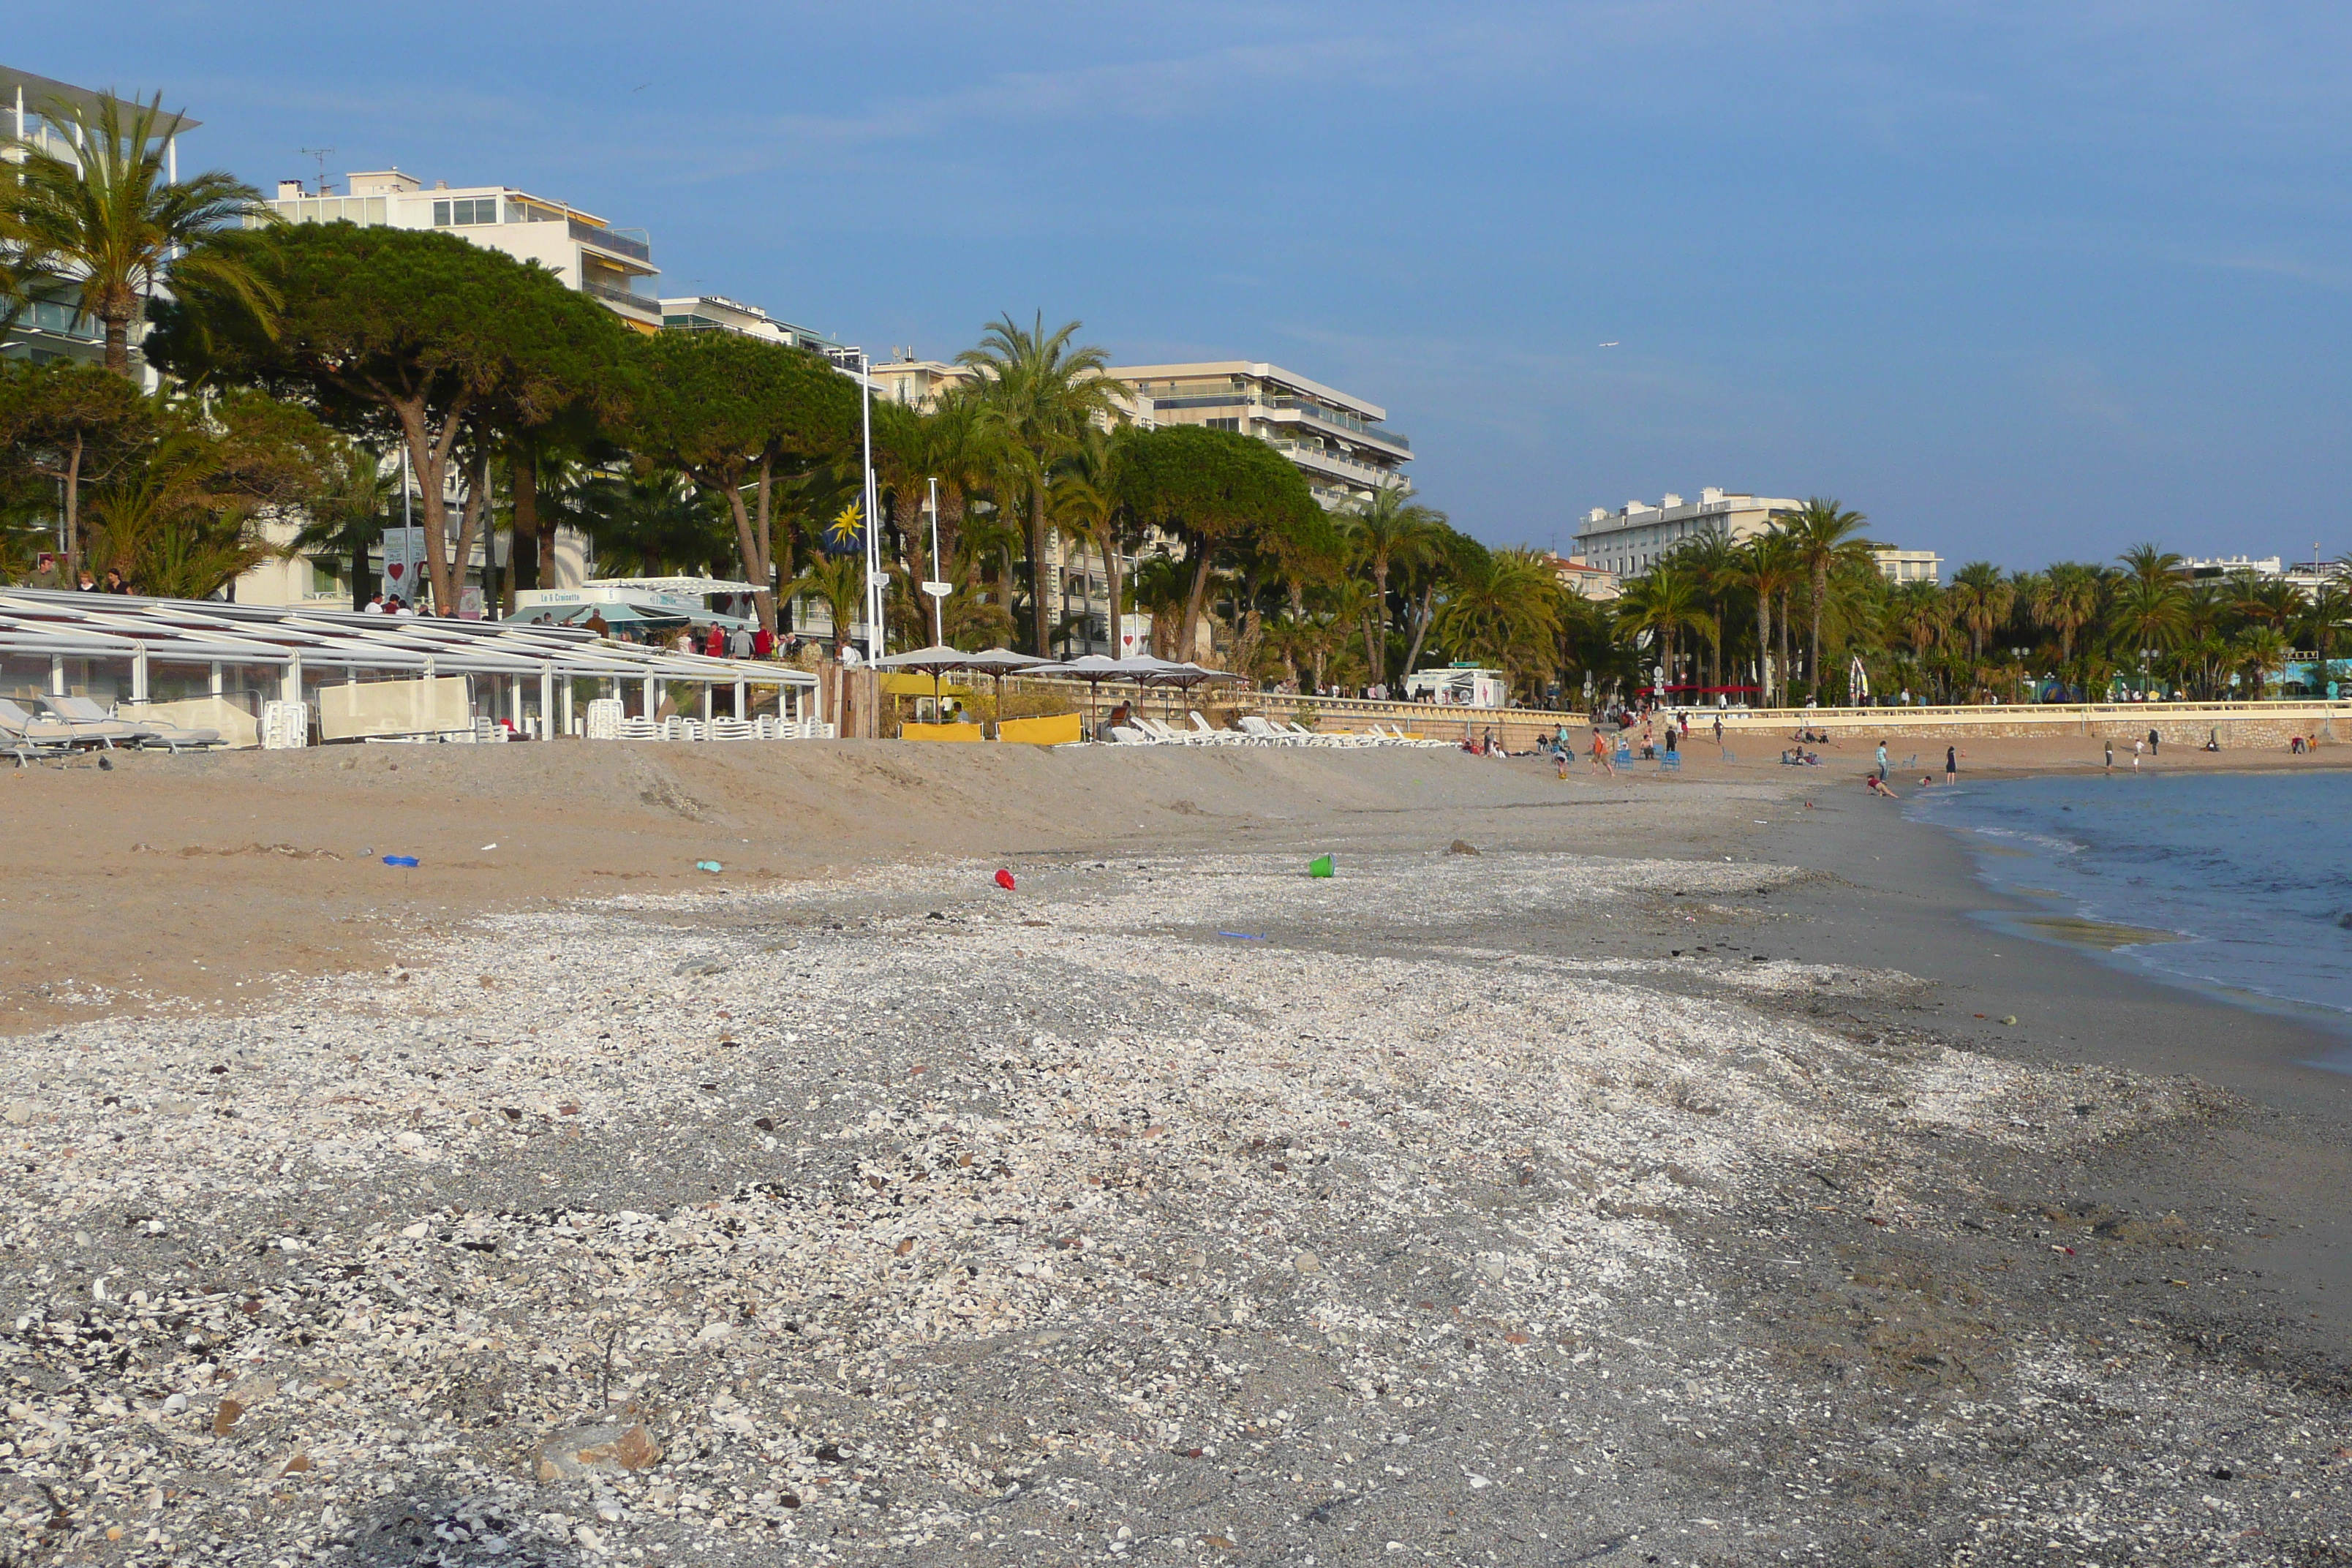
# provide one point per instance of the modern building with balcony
(1340, 442)
(718, 313)
(1908, 565)
(50, 327)
(614, 265)
(920, 382)
(1628, 541)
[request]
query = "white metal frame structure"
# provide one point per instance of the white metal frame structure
(131, 634)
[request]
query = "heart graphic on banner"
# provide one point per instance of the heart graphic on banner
(395, 568)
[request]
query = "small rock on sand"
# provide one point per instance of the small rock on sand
(608, 1449)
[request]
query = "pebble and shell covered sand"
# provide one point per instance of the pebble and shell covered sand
(1160, 1211)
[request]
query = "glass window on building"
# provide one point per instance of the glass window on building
(324, 581)
(464, 210)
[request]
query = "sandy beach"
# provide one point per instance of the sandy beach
(1612, 1172)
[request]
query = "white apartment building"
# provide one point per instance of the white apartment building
(1628, 541)
(615, 265)
(50, 327)
(920, 382)
(1340, 442)
(718, 313)
(1909, 565)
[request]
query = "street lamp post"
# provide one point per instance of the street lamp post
(875, 582)
(937, 586)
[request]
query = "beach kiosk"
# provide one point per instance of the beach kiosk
(1458, 686)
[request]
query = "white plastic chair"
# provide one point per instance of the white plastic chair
(604, 717)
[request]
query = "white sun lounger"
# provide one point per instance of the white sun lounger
(1212, 735)
(82, 710)
(28, 737)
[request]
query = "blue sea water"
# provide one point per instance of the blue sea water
(2246, 875)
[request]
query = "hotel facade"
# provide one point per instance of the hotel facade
(1628, 541)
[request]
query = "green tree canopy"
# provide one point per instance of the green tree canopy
(445, 339)
(1212, 488)
(730, 411)
(73, 425)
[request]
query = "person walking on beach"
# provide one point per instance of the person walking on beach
(2111, 756)
(1951, 764)
(2135, 749)
(1882, 761)
(1718, 731)
(1601, 761)
(2151, 743)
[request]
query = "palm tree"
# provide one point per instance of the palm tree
(2330, 609)
(1981, 599)
(654, 524)
(1664, 603)
(1822, 535)
(1504, 609)
(2150, 564)
(1770, 569)
(1921, 619)
(840, 581)
(1716, 563)
(106, 222)
(349, 515)
(2151, 613)
(2066, 599)
(1040, 393)
(2258, 650)
(1394, 531)
(1086, 506)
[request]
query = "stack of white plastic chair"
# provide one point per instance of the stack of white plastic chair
(733, 730)
(284, 726)
(638, 729)
(605, 715)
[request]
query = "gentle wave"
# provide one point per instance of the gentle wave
(2247, 871)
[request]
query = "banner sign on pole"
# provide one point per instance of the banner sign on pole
(404, 562)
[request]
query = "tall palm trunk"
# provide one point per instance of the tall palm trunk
(1038, 615)
(1107, 541)
(1787, 690)
(1764, 646)
(1421, 619)
(1813, 657)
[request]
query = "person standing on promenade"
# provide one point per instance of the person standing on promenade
(1951, 764)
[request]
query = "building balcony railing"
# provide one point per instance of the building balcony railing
(644, 304)
(613, 240)
(1310, 408)
(1352, 429)
(60, 320)
(1323, 458)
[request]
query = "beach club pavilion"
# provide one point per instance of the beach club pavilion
(204, 663)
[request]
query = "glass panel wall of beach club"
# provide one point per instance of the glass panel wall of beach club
(198, 661)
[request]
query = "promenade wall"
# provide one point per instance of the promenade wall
(2237, 725)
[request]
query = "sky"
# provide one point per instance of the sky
(2019, 281)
